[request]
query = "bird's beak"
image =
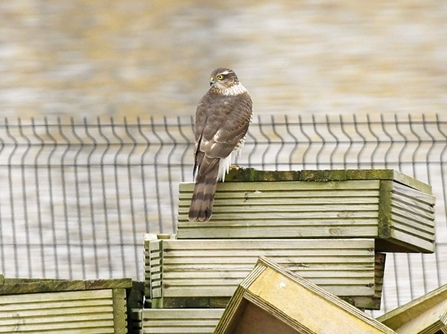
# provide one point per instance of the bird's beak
(211, 81)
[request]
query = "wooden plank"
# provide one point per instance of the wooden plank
(214, 268)
(265, 302)
(21, 286)
(424, 315)
(252, 175)
(310, 228)
(379, 272)
(88, 311)
(195, 302)
(280, 187)
(119, 311)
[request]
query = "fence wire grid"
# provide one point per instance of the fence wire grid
(77, 195)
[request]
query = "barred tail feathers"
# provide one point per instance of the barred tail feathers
(203, 197)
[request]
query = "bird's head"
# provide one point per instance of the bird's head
(223, 78)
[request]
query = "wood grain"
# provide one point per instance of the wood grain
(293, 304)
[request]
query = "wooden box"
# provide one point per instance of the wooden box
(62, 306)
(395, 209)
(205, 273)
(175, 321)
(424, 315)
(273, 300)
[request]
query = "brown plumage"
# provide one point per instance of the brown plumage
(222, 119)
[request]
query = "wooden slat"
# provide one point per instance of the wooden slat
(91, 311)
(119, 310)
(176, 321)
(258, 188)
(153, 266)
(265, 302)
(252, 175)
(214, 268)
(405, 220)
(412, 218)
(23, 285)
(424, 315)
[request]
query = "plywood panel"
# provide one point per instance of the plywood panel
(424, 315)
(293, 304)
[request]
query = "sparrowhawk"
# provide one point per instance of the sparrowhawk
(222, 119)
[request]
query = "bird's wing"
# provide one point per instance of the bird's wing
(221, 124)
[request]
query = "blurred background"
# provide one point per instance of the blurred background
(137, 57)
(97, 100)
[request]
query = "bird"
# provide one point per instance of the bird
(222, 119)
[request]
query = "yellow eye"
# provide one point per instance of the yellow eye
(219, 77)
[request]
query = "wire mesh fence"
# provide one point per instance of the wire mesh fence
(77, 196)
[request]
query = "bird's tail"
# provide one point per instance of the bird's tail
(203, 197)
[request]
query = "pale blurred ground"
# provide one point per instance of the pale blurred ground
(139, 57)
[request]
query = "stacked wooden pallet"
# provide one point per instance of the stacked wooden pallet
(63, 306)
(205, 273)
(330, 227)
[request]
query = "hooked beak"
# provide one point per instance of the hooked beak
(211, 81)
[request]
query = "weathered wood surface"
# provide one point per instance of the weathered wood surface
(175, 321)
(253, 175)
(272, 299)
(90, 311)
(320, 204)
(15, 286)
(204, 269)
(424, 315)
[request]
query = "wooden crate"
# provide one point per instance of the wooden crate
(424, 315)
(175, 321)
(205, 273)
(273, 300)
(395, 209)
(62, 306)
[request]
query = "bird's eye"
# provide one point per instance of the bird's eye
(220, 77)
